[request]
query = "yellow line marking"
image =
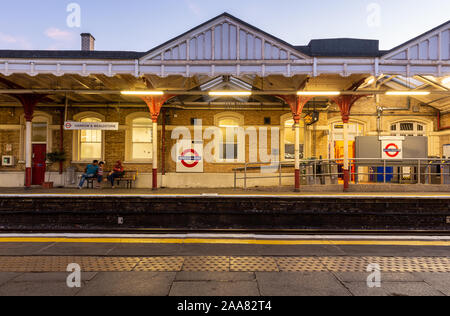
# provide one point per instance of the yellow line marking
(225, 241)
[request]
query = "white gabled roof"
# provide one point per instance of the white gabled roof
(432, 45)
(224, 38)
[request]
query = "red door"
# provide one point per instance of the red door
(38, 169)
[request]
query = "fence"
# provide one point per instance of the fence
(362, 170)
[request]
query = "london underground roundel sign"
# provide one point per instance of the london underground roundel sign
(392, 150)
(190, 158)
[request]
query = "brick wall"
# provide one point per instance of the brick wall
(364, 111)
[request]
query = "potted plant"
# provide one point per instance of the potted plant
(53, 157)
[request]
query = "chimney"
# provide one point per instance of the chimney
(87, 42)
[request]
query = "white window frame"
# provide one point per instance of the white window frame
(129, 137)
(76, 147)
(283, 120)
(239, 118)
(414, 132)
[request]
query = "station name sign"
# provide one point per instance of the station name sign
(96, 126)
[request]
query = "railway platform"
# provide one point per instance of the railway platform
(224, 265)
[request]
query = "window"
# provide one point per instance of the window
(142, 139)
(39, 132)
(289, 140)
(229, 147)
(408, 129)
(354, 130)
(90, 142)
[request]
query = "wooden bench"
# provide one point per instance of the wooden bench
(129, 177)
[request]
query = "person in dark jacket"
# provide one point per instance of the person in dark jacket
(117, 172)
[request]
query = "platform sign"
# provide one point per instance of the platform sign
(392, 149)
(190, 157)
(99, 126)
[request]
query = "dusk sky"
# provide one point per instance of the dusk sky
(139, 25)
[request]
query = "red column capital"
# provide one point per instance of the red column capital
(155, 103)
(296, 103)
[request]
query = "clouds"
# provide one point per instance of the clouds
(194, 8)
(62, 39)
(14, 42)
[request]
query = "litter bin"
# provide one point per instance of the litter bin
(70, 175)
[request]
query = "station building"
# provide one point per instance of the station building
(42, 94)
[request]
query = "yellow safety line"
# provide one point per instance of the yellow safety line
(225, 241)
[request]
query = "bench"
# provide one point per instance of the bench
(90, 182)
(129, 177)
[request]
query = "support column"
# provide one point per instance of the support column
(346, 159)
(345, 103)
(155, 104)
(297, 156)
(296, 103)
(29, 102)
(28, 152)
(155, 156)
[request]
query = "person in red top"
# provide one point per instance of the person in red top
(116, 173)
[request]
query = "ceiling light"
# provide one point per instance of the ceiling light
(408, 93)
(318, 93)
(142, 93)
(230, 93)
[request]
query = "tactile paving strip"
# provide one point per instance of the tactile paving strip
(411, 264)
(160, 264)
(253, 264)
(345, 264)
(225, 264)
(303, 264)
(207, 264)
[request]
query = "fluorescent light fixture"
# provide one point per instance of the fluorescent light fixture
(446, 80)
(408, 93)
(230, 93)
(142, 93)
(371, 81)
(318, 93)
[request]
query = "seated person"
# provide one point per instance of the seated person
(117, 172)
(101, 165)
(90, 172)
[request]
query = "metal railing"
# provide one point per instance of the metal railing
(362, 170)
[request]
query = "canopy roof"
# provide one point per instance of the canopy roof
(232, 53)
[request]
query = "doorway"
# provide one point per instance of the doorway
(337, 143)
(38, 164)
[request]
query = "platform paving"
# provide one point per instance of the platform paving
(222, 270)
(221, 284)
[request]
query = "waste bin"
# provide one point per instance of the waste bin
(70, 175)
